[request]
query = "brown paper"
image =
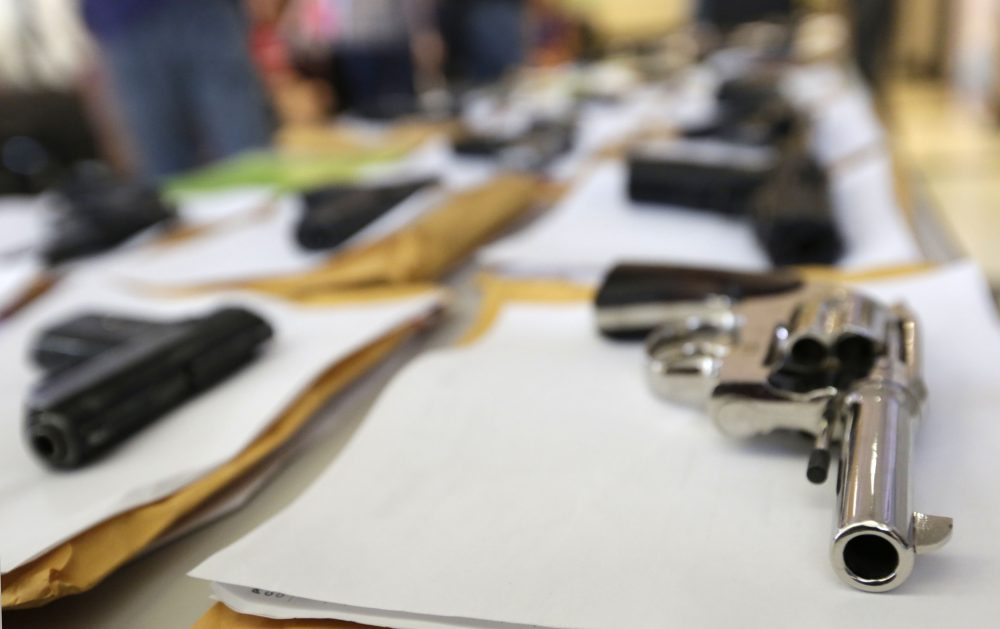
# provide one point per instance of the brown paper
(834, 275)
(336, 140)
(82, 562)
(499, 291)
(221, 617)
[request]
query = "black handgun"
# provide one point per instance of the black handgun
(335, 214)
(530, 151)
(108, 377)
(751, 110)
(750, 161)
(97, 211)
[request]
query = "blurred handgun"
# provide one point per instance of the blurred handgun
(751, 160)
(96, 211)
(335, 214)
(772, 352)
(530, 151)
(108, 377)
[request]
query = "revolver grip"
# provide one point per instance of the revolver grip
(634, 299)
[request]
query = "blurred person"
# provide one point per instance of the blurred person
(309, 29)
(268, 50)
(484, 39)
(298, 98)
(557, 35)
(873, 23)
(42, 44)
(183, 75)
(45, 126)
(726, 14)
(381, 50)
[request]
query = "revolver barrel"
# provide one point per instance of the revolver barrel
(877, 535)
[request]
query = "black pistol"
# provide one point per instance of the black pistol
(96, 211)
(108, 377)
(333, 215)
(531, 151)
(752, 161)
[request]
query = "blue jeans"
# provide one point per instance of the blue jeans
(187, 85)
(377, 82)
(494, 38)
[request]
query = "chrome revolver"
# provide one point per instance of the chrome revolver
(766, 352)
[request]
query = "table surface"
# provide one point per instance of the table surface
(154, 591)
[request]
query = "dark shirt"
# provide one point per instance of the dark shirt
(729, 13)
(108, 18)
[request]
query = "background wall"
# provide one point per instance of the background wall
(975, 35)
(628, 19)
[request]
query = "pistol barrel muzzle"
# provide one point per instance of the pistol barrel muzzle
(877, 534)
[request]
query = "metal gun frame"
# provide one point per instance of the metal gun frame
(831, 363)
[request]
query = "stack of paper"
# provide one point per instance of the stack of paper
(40, 509)
(533, 479)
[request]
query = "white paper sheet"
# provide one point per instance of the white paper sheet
(533, 478)
(17, 276)
(22, 224)
(239, 493)
(39, 508)
(843, 116)
(22, 228)
(268, 604)
(248, 250)
(596, 226)
(206, 208)
(844, 126)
